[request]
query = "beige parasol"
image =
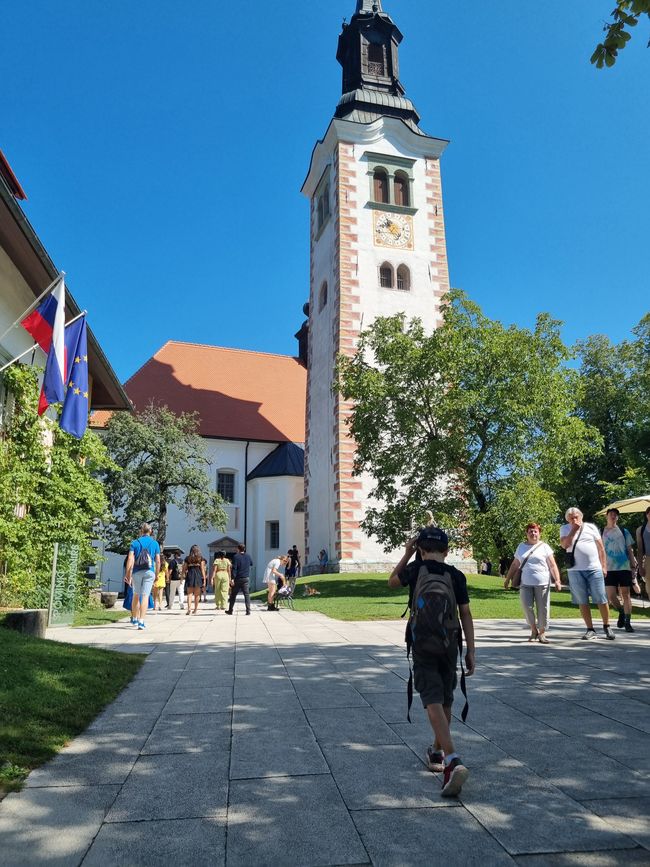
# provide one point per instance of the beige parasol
(636, 504)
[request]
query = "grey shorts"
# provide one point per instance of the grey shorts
(435, 680)
(142, 583)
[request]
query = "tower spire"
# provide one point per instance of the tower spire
(368, 51)
(366, 6)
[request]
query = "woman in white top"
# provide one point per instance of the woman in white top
(538, 567)
(271, 575)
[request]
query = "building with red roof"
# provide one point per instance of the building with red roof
(251, 410)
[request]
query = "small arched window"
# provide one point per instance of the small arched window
(386, 276)
(403, 278)
(402, 191)
(376, 59)
(300, 506)
(322, 296)
(381, 185)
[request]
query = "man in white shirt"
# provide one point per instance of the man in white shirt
(587, 573)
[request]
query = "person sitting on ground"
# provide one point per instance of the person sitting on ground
(435, 674)
(587, 569)
(621, 569)
(273, 575)
(538, 568)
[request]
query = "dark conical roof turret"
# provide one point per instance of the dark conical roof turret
(368, 51)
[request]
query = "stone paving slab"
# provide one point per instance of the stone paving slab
(291, 821)
(180, 786)
(190, 733)
(181, 842)
(394, 838)
(293, 752)
(282, 739)
(53, 826)
(350, 725)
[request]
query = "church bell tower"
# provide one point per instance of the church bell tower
(377, 248)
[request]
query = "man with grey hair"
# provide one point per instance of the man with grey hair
(142, 566)
(587, 567)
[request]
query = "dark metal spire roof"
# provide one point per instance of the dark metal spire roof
(368, 51)
(368, 6)
(287, 460)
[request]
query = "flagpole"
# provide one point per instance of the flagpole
(35, 346)
(32, 306)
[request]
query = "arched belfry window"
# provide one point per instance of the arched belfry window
(376, 59)
(381, 185)
(402, 190)
(386, 276)
(322, 296)
(403, 278)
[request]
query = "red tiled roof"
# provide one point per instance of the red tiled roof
(238, 394)
(12, 181)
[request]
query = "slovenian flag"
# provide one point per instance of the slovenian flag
(48, 318)
(46, 324)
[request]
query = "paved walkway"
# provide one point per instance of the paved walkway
(281, 739)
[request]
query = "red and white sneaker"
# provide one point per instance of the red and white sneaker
(455, 775)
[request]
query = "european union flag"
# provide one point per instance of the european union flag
(74, 416)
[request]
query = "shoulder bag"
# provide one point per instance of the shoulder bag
(570, 555)
(516, 578)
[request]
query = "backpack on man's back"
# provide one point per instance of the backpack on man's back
(433, 629)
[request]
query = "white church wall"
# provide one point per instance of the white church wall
(274, 499)
(222, 455)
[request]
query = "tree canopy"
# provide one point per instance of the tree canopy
(160, 461)
(475, 422)
(614, 398)
(625, 15)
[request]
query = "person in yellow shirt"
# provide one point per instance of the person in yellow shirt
(160, 584)
(221, 578)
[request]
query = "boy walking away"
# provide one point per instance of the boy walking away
(437, 596)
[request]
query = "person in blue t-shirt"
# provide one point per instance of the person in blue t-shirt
(142, 566)
(621, 569)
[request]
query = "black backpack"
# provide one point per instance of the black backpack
(143, 559)
(433, 629)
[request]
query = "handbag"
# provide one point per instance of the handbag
(516, 578)
(128, 598)
(570, 555)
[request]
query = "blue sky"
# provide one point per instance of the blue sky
(163, 146)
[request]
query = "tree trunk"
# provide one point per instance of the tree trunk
(162, 522)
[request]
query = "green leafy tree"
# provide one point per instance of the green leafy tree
(625, 15)
(49, 492)
(614, 397)
(160, 461)
(474, 422)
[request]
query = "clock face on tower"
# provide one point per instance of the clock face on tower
(393, 230)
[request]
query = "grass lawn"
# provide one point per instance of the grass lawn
(100, 616)
(49, 693)
(367, 597)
